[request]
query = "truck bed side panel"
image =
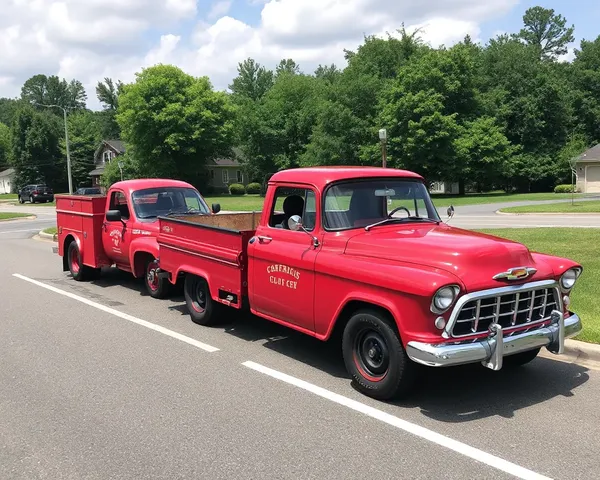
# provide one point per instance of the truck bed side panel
(82, 217)
(195, 245)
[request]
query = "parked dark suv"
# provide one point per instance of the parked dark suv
(36, 193)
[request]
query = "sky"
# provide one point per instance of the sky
(92, 39)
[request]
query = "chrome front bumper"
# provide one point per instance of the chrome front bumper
(491, 350)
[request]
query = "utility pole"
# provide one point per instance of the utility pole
(66, 143)
(383, 138)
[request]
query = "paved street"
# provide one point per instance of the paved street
(98, 380)
(45, 217)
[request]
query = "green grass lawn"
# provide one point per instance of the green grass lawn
(51, 230)
(11, 215)
(8, 196)
(255, 202)
(577, 207)
(580, 245)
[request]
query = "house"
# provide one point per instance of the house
(587, 166)
(447, 188)
(225, 171)
(106, 151)
(6, 180)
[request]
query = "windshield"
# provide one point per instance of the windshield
(362, 203)
(153, 202)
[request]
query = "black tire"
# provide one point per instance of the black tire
(31, 199)
(202, 308)
(157, 287)
(520, 359)
(21, 199)
(79, 271)
(375, 358)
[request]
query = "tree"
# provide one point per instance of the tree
(8, 109)
(36, 154)
(85, 134)
(287, 65)
(5, 145)
(173, 123)
(547, 32)
(108, 93)
(253, 80)
(328, 73)
(51, 90)
(585, 78)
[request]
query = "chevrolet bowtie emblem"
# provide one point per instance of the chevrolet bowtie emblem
(518, 273)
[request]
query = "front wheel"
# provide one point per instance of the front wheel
(520, 359)
(202, 308)
(156, 287)
(375, 358)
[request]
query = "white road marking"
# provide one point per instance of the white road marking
(124, 316)
(422, 432)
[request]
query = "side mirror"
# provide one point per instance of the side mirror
(295, 223)
(216, 207)
(450, 211)
(113, 215)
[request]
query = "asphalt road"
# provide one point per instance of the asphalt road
(98, 380)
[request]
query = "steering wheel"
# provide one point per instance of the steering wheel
(398, 208)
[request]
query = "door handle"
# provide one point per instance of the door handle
(263, 239)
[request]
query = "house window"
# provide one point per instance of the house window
(225, 176)
(240, 177)
(107, 156)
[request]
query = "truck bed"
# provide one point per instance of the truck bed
(210, 246)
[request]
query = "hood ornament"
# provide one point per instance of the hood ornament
(517, 273)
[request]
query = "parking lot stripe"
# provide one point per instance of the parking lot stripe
(422, 432)
(124, 316)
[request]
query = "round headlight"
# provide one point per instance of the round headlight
(444, 298)
(569, 278)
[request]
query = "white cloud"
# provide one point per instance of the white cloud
(219, 9)
(116, 38)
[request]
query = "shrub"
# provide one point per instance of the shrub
(253, 188)
(237, 189)
(565, 189)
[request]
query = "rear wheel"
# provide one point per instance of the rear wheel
(157, 287)
(79, 271)
(31, 199)
(202, 308)
(375, 358)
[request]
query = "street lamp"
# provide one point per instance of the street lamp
(66, 143)
(120, 163)
(383, 138)
(573, 165)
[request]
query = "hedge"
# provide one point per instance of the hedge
(253, 188)
(565, 189)
(237, 189)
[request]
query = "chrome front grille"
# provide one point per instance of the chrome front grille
(510, 308)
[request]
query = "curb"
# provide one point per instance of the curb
(48, 236)
(556, 214)
(576, 351)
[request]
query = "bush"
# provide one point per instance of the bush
(565, 189)
(253, 188)
(237, 189)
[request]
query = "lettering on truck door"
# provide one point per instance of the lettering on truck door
(116, 235)
(284, 260)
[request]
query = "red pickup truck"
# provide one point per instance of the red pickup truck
(363, 251)
(120, 228)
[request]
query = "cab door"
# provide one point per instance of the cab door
(283, 260)
(116, 236)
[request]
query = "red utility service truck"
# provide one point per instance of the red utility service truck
(120, 228)
(363, 251)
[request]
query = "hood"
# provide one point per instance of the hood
(474, 258)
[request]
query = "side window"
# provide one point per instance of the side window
(293, 201)
(119, 202)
